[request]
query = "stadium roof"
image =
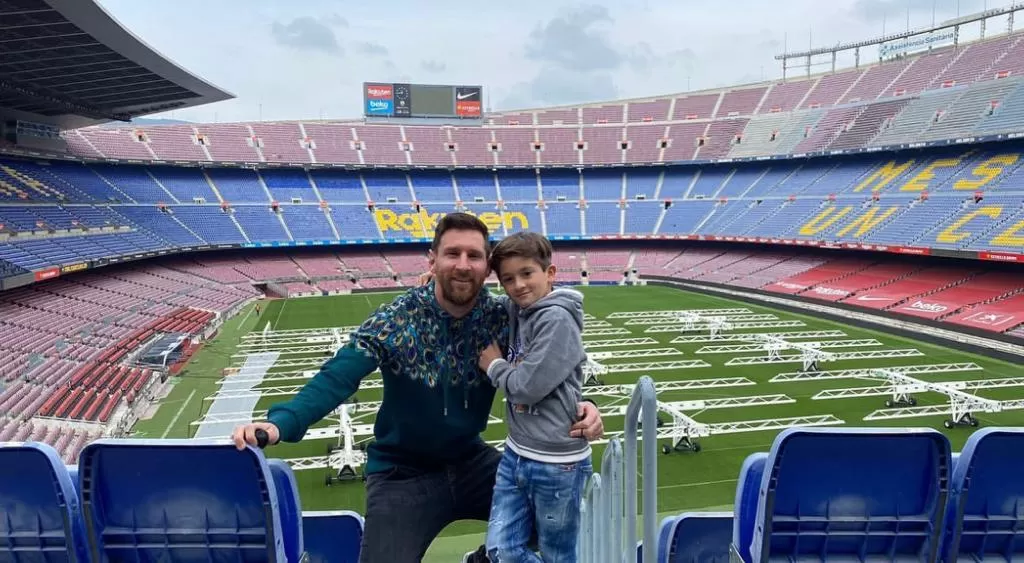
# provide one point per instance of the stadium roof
(71, 64)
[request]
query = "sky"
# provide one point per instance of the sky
(287, 60)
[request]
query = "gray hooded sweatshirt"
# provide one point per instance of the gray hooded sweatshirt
(542, 376)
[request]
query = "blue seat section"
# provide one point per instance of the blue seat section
(747, 490)
(985, 513)
(697, 537)
(179, 501)
(332, 536)
(852, 494)
(40, 519)
(946, 198)
(289, 507)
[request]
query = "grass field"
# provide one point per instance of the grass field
(686, 480)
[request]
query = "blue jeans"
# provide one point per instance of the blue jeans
(532, 496)
(406, 508)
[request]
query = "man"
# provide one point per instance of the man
(428, 466)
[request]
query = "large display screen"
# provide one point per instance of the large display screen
(422, 100)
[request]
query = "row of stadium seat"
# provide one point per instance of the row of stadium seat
(938, 171)
(162, 500)
(821, 494)
(957, 222)
(948, 93)
(849, 494)
(940, 199)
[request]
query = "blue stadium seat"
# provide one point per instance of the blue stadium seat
(745, 506)
(852, 494)
(40, 517)
(332, 536)
(697, 537)
(985, 515)
(180, 501)
(289, 507)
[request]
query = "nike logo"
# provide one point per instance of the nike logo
(465, 96)
(866, 298)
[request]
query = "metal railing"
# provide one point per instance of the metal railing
(608, 530)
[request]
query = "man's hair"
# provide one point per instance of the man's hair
(532, 246)
(461, 222)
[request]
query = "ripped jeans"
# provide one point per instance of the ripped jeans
(536, 496)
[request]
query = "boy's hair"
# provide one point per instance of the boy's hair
(532, 246)
(461, 222)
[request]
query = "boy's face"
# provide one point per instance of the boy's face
(524, 280)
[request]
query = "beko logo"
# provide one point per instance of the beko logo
(927, 307)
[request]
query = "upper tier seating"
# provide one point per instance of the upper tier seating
(943, 93)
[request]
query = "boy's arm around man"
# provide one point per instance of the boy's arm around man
(553, 354)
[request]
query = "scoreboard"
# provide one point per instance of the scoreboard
(422, 100)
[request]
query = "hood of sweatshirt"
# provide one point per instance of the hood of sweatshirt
(566, 298)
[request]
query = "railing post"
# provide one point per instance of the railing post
(604, 515)
(611, 468)
(644, 402)
(591, 513)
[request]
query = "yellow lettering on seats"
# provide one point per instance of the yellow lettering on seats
(950, 234)
(988, 171)
(510, 219)
(867, 222)
(492, 220)
(387, 220)
(880, 178)
(1014, 236)
(423, 223)
(920, 181)
(813, 227)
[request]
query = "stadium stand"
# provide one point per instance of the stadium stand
(947, 93)
(966, 200)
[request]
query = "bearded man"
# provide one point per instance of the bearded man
(428, 465)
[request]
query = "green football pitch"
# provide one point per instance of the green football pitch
(686, 480)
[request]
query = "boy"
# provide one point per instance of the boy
(542, 471)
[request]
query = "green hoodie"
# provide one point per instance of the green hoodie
(436, 400)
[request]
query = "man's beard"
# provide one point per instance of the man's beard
(459, 295)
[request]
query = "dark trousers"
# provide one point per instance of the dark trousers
(405, 510)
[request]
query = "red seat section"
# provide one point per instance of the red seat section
(977, 290)
(817, 281)
(998, 316)
(929, 280)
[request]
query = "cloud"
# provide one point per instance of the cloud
(307, 34)
(433, 66)
(558, 86)
(576, 41)
(372, 49)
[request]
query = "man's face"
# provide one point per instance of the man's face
(460, 266)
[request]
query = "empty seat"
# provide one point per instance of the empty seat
(833, 494)
(180, 501)
(697, 537)
(40, 520)
(332, 536)
(985, 516)
(289, 507)
(745, 506)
